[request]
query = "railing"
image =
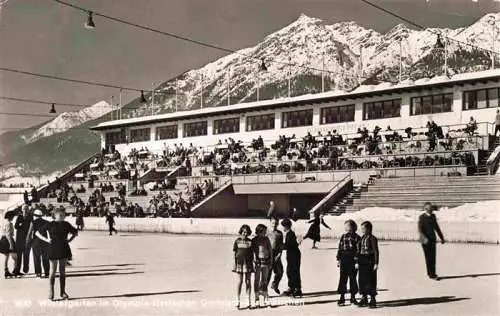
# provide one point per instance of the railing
(338, 190)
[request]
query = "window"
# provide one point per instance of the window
(480, 99)
(140, 135)
(113, 138)
(337, 114)
(381, 109)
(224, 126)
(195, 129)
(297, 118)
(260, 122)
(166, 132)
(430, 104)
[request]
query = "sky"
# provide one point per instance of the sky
(46, 37)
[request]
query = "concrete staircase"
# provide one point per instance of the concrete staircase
(413, 192)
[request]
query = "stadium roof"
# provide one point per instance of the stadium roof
(363, 91)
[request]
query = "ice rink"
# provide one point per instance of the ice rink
(159, 274)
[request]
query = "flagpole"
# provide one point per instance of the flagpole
(112, 107)
(258, 85)
(446, 58)
(400, 60)
(176, 96)
(120, 106)
(323, 74)
(289, 75)
(201, 97)
(152, 97)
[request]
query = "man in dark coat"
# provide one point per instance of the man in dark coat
(40, 250)
(428, 227)
(23, 249)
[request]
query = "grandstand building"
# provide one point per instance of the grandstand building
(447, 101)
(316, 182)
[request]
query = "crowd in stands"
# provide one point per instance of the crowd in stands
(16, 185)
(375, 149)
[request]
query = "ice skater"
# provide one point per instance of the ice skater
(56, 234)
(243, 262)
(80, 224)
(346, 254)
(427, 228)
(110, 219)
(7, 243)
(293, 256)
(40, 251)
(367, 258)
(314, 231)
(276, 238)
(262, 249)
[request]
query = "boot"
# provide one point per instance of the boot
(297, 293)
(363, 302)
(7, 274)
(51, 288)
(341, 301)
(353, 299)
(373, 302)
(62, 280)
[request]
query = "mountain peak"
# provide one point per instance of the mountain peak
(67, 120)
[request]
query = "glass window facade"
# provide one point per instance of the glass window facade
(480, 99)
(225, 126)
(166, 132)
(337, 114)
(297, 118)
(195, 129)
(140, 135)
(430, 104)
(260, 122)
(382, 109)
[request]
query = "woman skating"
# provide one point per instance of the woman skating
(314, 230)
(56, 235)
(7, 244)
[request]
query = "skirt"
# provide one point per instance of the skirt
(5, 246)
(313, 233)
(58, 252)
(243, 266)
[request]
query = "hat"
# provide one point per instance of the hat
(38, 213)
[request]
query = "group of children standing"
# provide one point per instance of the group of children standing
(50, 242)
(260, 257)
(356, 254)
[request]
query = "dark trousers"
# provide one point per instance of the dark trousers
(277, 268)
(348, 273)
(40, 259)
(23, 256)
(430, 258)
(367, 276)
(293, 271)
(112, 229)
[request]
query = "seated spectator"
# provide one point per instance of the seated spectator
(471, 127)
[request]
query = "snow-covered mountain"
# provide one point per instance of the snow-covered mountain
(67, 120)
(349, 53)
(346, 53)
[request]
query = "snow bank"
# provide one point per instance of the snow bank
(486, 211)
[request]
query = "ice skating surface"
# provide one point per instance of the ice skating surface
(158, 274)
